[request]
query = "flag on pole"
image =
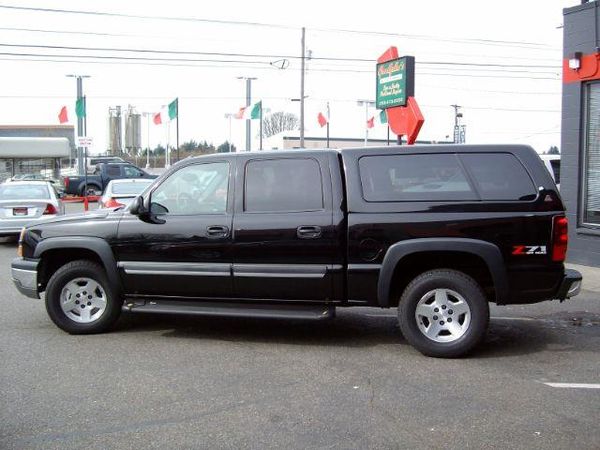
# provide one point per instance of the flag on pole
(80, 107)
(250, 112)
(382, 118)
(157, 119)
(322, 119)
(62, 115)
(173, 109)
(371, 122)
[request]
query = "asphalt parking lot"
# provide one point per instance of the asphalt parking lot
(354, 382)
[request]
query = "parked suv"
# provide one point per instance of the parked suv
(436, 231)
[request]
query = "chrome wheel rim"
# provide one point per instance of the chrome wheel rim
(83, 300)
(443, 315)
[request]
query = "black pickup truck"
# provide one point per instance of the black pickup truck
(103, 173)
(436, 231)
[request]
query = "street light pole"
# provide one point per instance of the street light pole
(248, 102)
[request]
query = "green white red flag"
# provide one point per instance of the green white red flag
(250, 112)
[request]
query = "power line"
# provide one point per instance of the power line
(138, 16)
(269, 56)
(103, 34)
(179, 62)
(478, 41)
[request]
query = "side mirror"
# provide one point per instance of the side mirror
(138, 208)
(141, 207)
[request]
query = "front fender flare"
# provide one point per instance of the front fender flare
(487, 251)
(97, 245)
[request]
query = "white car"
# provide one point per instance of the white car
(26, 202)
(552, 163)
(122, 192)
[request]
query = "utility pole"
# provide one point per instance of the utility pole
(81, 169)
(248, 102)
(328, 114)
(457, 116)
(302, 64)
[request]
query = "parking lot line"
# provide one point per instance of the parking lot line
(574, 385)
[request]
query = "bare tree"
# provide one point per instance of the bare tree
(279, 121)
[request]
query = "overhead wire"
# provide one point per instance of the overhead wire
(478, 41)
(270, 56)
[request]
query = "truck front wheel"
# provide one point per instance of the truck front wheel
(80, 300)
(443, 313)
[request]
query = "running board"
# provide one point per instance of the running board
(303, 312)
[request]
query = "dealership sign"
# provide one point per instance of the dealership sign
(395, 82)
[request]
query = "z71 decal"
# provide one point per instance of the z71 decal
(529, 250)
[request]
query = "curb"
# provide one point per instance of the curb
(591, 276)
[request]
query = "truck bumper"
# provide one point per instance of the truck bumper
(24, 275)
(571, 284)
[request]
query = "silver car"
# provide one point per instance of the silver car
(122, 192)
(25, 202)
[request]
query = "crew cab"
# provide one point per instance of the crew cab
(95, 183)
(437, 232)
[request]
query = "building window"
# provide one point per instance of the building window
(591, 158)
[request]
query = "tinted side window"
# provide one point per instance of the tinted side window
(279, 185)
(396, 178)
(113, 171)
(499, 176)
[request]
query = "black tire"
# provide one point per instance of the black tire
(444, 279)
(68, 273)
(92, 189)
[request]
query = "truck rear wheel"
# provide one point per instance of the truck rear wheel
(80, 300)
(92, 189)
(443, 313)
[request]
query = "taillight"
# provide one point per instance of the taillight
(66, 181)
(560, 238)
(112, 203)
(50, 209)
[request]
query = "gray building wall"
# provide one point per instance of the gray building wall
(66, 131)
(579, 36)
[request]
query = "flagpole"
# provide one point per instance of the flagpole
(261, 125)
(327, 124)
(177, 100)
(167, 145)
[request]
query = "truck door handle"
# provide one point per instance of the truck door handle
(217, 231)
(308, 232)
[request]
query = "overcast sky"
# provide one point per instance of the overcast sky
(515, 100)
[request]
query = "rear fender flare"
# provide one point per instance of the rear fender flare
(487, 251)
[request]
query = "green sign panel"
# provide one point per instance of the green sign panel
(395, 82)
